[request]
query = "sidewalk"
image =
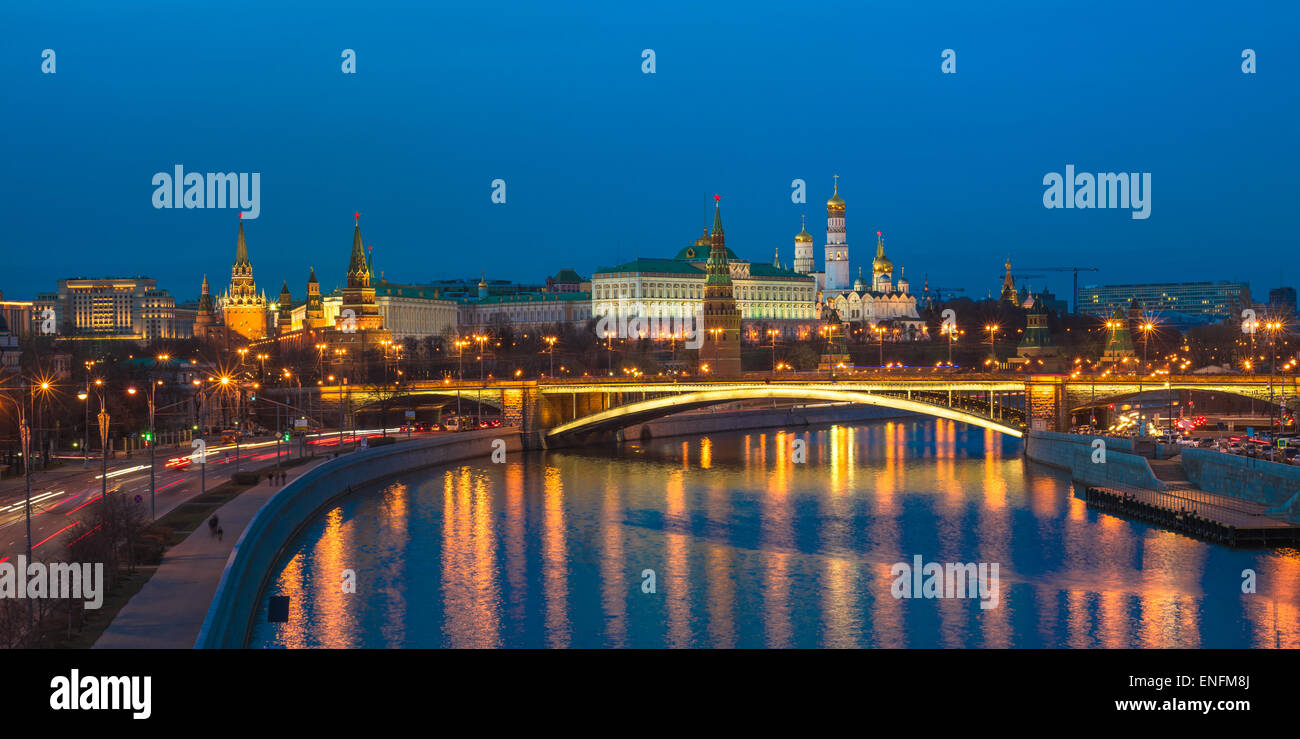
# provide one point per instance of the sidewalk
(168, 611)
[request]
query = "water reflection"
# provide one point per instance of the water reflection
(740, 540)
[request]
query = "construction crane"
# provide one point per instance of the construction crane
(937, 292)
(1075, 270)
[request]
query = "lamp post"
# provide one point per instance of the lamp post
(1272, 327)
(103, 419)
(480, 338)
(1169, 397)
(550, 341)
(951, 330)
(1146, 339)
(992, 328)
(771, 334)
(880, 333)
(24, 437)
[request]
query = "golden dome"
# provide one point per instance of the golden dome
(881, 264)
(704, 240)
(803, 237)
(836, 202)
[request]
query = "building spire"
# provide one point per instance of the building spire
(241, 248)
(717, 218)
(358, 265)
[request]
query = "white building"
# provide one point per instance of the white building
(675, 287)
(406, 310)
(522, 310)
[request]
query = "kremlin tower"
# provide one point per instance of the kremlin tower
(358, 296)
(720, 349)
(284, 321)
(243, 309)
(315, 313)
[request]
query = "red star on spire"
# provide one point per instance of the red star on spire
(357, 215)
(241, 215)
(877, 233)
(716, 198)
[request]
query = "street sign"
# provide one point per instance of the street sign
(139, 498)
(410, 414)
(1281, 443)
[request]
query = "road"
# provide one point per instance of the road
(63, 497)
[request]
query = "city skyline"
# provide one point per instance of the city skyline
(618, 164)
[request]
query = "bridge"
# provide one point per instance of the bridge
(558, 411)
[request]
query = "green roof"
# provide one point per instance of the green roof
(762, 269)
(527, 298)
(662, 266)
(567, 275)
(407, 291)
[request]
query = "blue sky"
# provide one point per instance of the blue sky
(603, 163)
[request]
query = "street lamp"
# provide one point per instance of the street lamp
(951, 330)
(1146, 339)
(772, 334)
(992, 328)
(480, 338)
(1272, 327)
(550, 341)
(25, 438)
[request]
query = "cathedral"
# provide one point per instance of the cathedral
(862, 304)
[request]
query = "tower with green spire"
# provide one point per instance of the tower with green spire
(1036, 346)
(720, 350)
(358, 310)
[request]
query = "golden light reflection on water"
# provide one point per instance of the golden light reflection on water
(555, 568)
(471, 596)
(677, 584)
(777, 536)
(613, 563)
(514, 539)
(720, 563)
(756, 549)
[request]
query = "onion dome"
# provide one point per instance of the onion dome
(803, 237)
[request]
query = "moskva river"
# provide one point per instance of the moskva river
(823, 537)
